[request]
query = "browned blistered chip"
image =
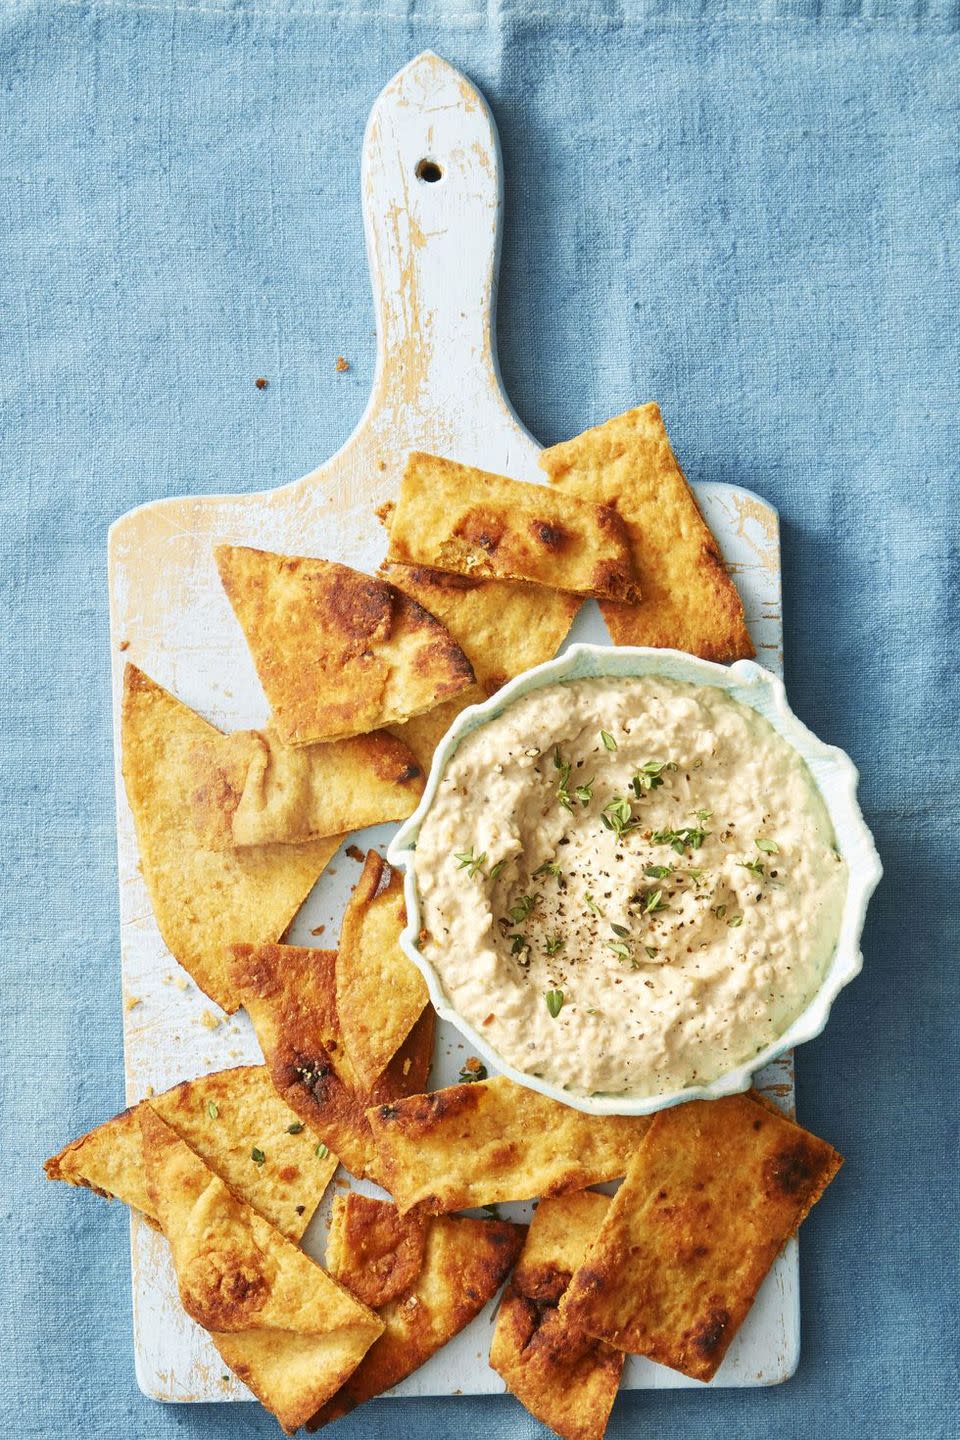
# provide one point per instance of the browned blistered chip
(288, 1330)
(491, 1140)
(338, 652)
(202, 898)
(373, 1250)
(709, 1199)
(380, 993)
(688, 600)
(290, 995)
(464, 1263)
(484, 526)
(223, 1117)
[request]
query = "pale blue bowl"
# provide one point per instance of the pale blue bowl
(834, 775)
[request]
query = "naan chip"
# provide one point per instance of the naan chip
(565, 1378)
(688, 600)
(291, 793)
(290, 995)
(464, 1265)
(226, 1118)
(338, 653)
(502, 628)
(492, 1140)
(281, 1323)
(424, 732)
(709, 1200)
(373, 1250)
(202, 898)
(471, 522)
(380, 993)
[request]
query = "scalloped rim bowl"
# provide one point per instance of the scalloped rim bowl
(834, 776)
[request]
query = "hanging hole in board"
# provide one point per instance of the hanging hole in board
(428, 171)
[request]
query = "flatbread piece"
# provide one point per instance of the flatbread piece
(338, 652)
(689, 601)
(708, 1202)
(493, 1140)
(471, 522)
(202, 899)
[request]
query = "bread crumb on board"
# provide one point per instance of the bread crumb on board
(341, 365)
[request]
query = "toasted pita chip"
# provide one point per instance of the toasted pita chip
(288, 1330)
(338, 653)
(492, 1140)
(502, 628)
(464, 1265)
(709, 1199)
(290, 995)
(288, 794)
(424, 732)
(562, 1230)
(380, 993)
(223, 1117)
(474, 523)
(373, 1250)
(202, 898)
(688, 600)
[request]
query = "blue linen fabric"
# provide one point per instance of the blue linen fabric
(747, 211)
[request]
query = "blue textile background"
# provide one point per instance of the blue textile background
(746, 210)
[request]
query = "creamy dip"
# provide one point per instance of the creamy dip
(628, 884)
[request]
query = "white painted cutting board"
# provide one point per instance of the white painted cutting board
(433, 250)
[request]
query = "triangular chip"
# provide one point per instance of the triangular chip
(202, 898)
(464, 1265)
(501, 627)
(380, 993)
(287, 794)
(373, 1250)
(493, 1140)
(288, 1330)
(338, 653)
(688, 600)
(487, 527)
(228, 1118)
(709, 1199)
(565, 1378)
(290, 995)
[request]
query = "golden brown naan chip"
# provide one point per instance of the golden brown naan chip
(474, 523)
(225, 1118)
(502, 628)
(290, 995)
(288, 1330)
(373, 1250)
(338, 653)
(464, 1265)
(492, 1140)
(291, 793)
(202, 898)
(565, 1378)
(688, 600)
(380, 993)
(709, 1200)
(424, 732)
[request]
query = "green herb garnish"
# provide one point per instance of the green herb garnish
(680, 840)
(295, 1128)
(651, 950)
(735, 921)
(257, 1156)
(471, 1073)
(619, 948)
(657, 872)
(620, 930)
(753, 866)
(769, 847)
(554, 999)
(608, 740)
(719, 911)
(321, 1151)
(519, 911)
(591, 904)
(583, 793)
(617, 815)
(520, 943)
(497, 870)
(650, 776)
(553, 943)
(703, 815)
(470, 862)
(213, 1109)
(654, 902)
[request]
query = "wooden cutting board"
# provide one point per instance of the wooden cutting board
(432, 201)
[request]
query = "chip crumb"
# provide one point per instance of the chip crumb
(384, 512)
(341, 365)
(261, 382)
(210, 1020)
(182, 983)
(131, 1002)
(381, 464)
(318, 929)
(124, 645)
(490, 1019)
(473, 1064)
(355, 853)
(406, 1065)
(149, 1092)
(342, 1184)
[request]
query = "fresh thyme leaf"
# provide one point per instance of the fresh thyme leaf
(257, 1156)
(591, 904)
(719, 911)
(650, 776)
(680, 840)
(550, 867)
(470, 862)
(617, 815)
(522, 907)
(520, 943)
(295, 1128)
(654, 902)
(553, 943)
(769, 847)
(584, 793)
(321, 1151)
(657, 872)
(554, 999)
(608, 740)
(694, 874)
(735, 921)
(703, 815)
(753, 866)
(620, 930)
(619, 948)
(497, 870)
(213, 1109)
(651, 950)
(471, 1073)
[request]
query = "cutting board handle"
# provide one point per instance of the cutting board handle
(431, 201)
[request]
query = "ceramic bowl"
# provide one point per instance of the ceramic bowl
(834, 776)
